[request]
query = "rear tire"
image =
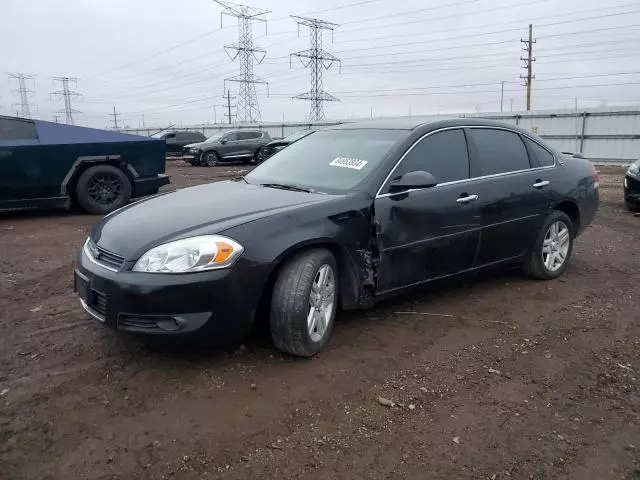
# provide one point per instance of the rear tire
(102, 189)
(304, 302)
(209, 159)
(551, 253)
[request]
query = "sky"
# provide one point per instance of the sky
(163, 62)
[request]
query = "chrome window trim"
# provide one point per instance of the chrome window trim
(464, 180)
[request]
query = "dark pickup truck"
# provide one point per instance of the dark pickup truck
(44, 164)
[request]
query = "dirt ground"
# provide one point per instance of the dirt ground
(493, 377)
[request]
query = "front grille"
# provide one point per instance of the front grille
(104, 257)
(99, 303)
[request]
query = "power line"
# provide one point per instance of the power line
(248, 109)
(66, 94)
(23, 92)
(492, 24)
(317, 59)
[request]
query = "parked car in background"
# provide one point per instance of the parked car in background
(297, 233)
(275, 146)
(44, 164)
(632, 186)
(232, 146)
(178, 139)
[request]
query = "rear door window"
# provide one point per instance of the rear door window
(540, 156)
(444, 155)
(248, 135)
(497, 151)
(17, 129)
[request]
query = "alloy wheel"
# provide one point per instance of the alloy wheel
(555, 247)
(321, 302)
(104, 188)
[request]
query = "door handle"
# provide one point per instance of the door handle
(467, 199)
(541, 183)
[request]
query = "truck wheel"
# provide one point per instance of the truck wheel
(210, 159)
(304, 302)
(551, 253)
(102, 189)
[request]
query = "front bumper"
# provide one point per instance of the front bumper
(632, 191)
(143, 186)
(190, 156)
(220, 304)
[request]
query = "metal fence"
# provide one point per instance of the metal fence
(605, 136)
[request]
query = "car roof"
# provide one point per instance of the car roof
(417, 122)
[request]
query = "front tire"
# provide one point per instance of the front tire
(210, 159)
(552, 250)
(304, 303)
(102, 189)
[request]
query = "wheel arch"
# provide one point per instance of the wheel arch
(349, 278)
(81, 164)
(572, 210)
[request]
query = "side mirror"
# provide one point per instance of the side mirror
(411, 180)
(223, 141)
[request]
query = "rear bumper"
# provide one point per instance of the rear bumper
(149, 185)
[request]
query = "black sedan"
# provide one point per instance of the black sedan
(274, 147)
(341, 218)
(632, 186)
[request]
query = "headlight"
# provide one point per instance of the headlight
(195, 254)
(634, 168)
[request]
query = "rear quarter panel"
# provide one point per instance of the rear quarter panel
(574, 182)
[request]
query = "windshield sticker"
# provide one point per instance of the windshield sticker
(345, 162)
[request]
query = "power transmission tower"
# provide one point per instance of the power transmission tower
(228, 106)
(248, 109)
(115, 118)
(66, 93)
(317, 59)
(528, 64)
(23, 92)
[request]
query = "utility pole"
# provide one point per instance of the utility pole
(228, 98)
(501, 94)
(511, 104)
(317, 59)
(23, 93)
(66, 93)
(115, 118)
(528, 64)
(55, 118)
(248, 109)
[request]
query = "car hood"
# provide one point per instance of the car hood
(201, 210)
(195, 145)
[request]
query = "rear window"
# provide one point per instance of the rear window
(497, 151)
(540, 156)
(17, 129)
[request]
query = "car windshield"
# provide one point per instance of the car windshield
(213, 138)
(331, 161)
(296, 136)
